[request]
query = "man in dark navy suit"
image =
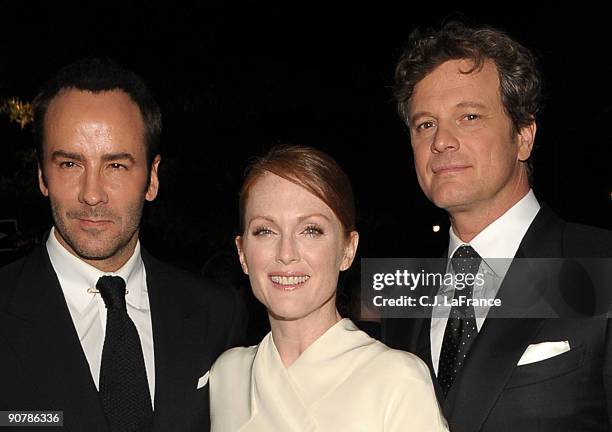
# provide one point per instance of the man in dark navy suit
(470, 97)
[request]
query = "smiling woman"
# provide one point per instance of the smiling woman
(297, 232)
(314, 370)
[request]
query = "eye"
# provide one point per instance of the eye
(117, 166)
(471, 117)
(262, 231)
(67, 164)
(313, 231)
(425, 125)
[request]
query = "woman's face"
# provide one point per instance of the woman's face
(292, 248)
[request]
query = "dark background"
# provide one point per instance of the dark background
(234, 80)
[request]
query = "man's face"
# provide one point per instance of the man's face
(96, 174)
(467, 156)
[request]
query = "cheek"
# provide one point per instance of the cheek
(126, 192)
(421, 161)
(257, 287)
(326, 261)
(257, 259)
(62, 191)
(500, 159)
(125, 182)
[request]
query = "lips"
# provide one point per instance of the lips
(288, 281)
(94, 222)
(449, 168)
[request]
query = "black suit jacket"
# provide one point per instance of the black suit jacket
(43, 367)
(568, 392)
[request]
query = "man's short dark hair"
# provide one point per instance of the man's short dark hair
(519, 76)
(98, 75)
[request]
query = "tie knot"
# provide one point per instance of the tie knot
(466, 260)
(112, 290)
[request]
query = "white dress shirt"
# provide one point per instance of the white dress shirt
(88, 311)
(497, 244)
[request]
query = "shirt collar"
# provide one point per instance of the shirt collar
(77, 277)
(502, 237)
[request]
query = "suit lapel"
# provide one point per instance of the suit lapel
(423, 326)
(179, 339)
(493, 358)
(502, 341)
(40, 330)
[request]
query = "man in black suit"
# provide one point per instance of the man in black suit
(470, 97)
(90, 323)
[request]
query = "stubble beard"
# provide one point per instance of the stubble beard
(101, 245)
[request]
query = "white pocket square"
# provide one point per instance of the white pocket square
(203, 380)
(542, 351)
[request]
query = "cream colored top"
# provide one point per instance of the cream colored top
(344, 381)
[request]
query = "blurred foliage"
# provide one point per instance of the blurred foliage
(20, 198)
(18, 111)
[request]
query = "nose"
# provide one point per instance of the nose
(444, 140)
(92, 190)
(287, 250)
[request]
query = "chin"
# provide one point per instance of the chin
(285, 315)
(96, 249)
(101, 253)
(288, 310)
(451, 197)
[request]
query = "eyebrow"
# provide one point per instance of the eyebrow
(68, 155)
(269, 219)
(471, 104)
(118, 156)
(300, 219)
(417, 115)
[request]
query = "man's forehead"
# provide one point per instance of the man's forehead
(72, 98)
(461, 83)
(94, 124)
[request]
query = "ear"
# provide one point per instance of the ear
(243, 263)
(42, 184)
(350, 249)
(526, 137)
(153, 180)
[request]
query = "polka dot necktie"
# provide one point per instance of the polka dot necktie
(461, 327)
(124, 389)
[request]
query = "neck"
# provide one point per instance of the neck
(293, 337)
(468, 222)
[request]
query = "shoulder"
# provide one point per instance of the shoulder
(402, 365)
(234, 360)
(28, 267)
(221, 306)
(10, 272)
(231, 387)
(237, 355)
(584, 240)
(8, 281)
(373, 356)
(201, 289)
(405, 392)
(391, 365)
(550, 235)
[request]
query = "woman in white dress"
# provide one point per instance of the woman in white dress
(315, 371)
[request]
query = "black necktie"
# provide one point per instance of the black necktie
(124, 389)
(461, 327)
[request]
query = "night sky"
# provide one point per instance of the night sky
(233, 81)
